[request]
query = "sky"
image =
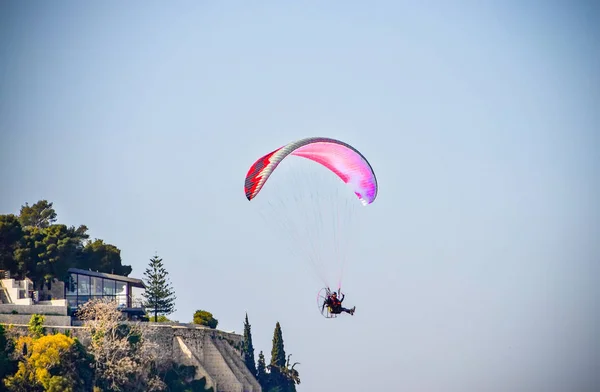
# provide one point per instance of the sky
(476, 266)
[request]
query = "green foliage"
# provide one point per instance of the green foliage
(180, 378)
(161, 319)
(11, 233)
(290, 374)
(8, 366)
(27, 255)
(280, 375)
(125, 359)
(248, 348)
(33, 246)
(261, 372)
(102, 257)
(59, 248)
(278, 350)
(81, 362)
(36, 326)
(203, 317)
(159, 296)
(53, 363)
(40, 215)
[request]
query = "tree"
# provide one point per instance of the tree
(60, 247)
(124, 356)
(181, 378)
(51, 363)
(277, 356)
(160, 319)
(159, 296)
(40, 215)
(203, 317)
(248, 348)
(290, 373)
(102, 257)
(54, 362)
(11, 233)
(36, 326)
(28, 255)
(278, 375)
(8, 366)
(261, 372)
(32, 246)
(47, 253)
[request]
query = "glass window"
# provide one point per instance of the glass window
(81, 299)
(72, 300)
(83, 285)
(72, 284)
(121, 291)
(136, 297)
(109, 287)
(121, 288)
(96, 286)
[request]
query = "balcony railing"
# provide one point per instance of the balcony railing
(123, 301)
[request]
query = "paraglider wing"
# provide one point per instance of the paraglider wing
(341, 158)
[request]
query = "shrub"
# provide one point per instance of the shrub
(202, 317)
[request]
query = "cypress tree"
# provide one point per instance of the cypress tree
(159, 295)
(278, 351)
(278, 363)
(248, 348)
(261, 372)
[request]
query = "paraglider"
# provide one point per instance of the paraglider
(330, 304)
(314, 200)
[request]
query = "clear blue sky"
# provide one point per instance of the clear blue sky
(478, 268)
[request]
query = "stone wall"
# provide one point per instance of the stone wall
(216, 354)
(219, 354)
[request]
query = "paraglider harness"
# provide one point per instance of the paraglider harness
(334, 304)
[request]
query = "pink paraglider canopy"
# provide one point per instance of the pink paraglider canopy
(341, 158)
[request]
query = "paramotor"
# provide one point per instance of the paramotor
(311, 191)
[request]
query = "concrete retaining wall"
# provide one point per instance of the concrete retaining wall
(53, 302)
(24, 319)
(186, 357)
(235, 363)
(34, 309)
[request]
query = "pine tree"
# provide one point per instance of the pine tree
(159, 295)
(248, 348)
(261, 372)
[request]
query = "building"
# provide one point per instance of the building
(17, 297)
(83, 285)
